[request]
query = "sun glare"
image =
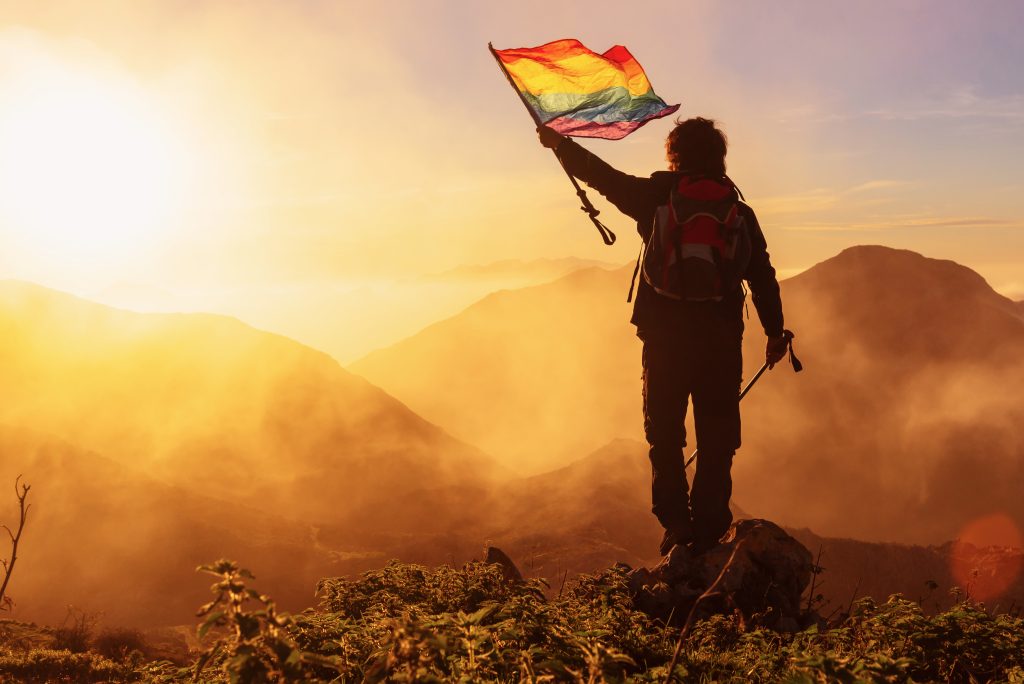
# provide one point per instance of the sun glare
(90, 173)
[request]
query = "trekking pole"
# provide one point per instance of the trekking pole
(797, 367)
(589, 209)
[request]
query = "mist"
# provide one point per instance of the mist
(170, 440)
(902, 428)
(156, 442)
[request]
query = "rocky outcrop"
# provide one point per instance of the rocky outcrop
(757, 570)
(494, 555)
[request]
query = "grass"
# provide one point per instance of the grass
(407, 623)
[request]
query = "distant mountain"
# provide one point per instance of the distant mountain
(602, 501)
(210, 404)
(349, 316)
(107, 539)
(581, 517)
(156, 442)
(536, 376)
(910, 400)
(932, 575)
(595, 512)
(520, 272)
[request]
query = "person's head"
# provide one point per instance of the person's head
(697, 145)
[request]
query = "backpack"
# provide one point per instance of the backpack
(699, 246)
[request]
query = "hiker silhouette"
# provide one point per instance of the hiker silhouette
(701, 243)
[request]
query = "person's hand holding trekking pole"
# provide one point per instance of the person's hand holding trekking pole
(775, 350)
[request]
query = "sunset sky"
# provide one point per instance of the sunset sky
(302, 164)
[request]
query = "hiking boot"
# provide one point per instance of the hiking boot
(672, 538)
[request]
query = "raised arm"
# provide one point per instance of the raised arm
(631, 195)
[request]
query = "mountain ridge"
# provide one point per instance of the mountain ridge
(532, 269)
(206, 393)
(922, 350)
(345, 499)
(495, 298)
(101, 531)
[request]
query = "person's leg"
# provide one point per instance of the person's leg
(717, 420)
(665, 397)
(712, 489)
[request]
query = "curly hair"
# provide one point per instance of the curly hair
(697, 145)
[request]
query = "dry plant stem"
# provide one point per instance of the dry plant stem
(709, 592)
(20, 491)
(814, 577)
(853, 597)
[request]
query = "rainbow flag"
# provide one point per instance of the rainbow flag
(581, 93)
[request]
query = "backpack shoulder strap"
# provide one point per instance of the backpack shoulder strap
(737, 188)
(636, 272)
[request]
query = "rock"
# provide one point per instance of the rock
(763, 572)
(639, 578)
(498, 557)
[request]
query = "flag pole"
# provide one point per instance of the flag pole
(591, 211)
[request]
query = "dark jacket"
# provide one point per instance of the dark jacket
(639, 198)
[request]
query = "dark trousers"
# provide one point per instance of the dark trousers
(700, 359)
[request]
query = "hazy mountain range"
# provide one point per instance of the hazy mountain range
(910, 398)
(523, 272)
(105, 537)
(209, 403)
(156, 442)
(345, 317)
(551, 371)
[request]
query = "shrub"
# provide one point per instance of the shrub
(407, 623)
(49, 665)
(253, 646)
(76, 633)
(119, 642)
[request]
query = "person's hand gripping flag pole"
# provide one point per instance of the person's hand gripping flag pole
(577, 92)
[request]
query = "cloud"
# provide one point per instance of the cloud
(908, 223)
(819, 199)
(960, 103)
(881, 184)
(857, 208)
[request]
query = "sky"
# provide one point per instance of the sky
(303, 165)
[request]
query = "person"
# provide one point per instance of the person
(691, 345)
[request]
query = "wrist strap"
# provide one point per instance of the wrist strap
(797, 366)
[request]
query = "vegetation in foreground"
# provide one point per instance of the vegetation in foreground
(409, 623)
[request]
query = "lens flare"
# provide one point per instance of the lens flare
(987, 556)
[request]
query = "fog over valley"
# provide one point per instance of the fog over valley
(155, 442)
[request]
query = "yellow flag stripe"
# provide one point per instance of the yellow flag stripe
(566, 66)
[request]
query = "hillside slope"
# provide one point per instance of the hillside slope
(212, 404)
(909, 400)
(905, 427)
(537, 376)
(107, 539)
